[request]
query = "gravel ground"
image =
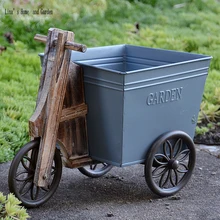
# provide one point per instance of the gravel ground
(123, 194)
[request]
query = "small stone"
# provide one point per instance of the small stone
(150, 200)
(109, 215)
(216, 137)
(200, 168)
(118, 178)
(213, 173)
(167, 205)
(175, 197)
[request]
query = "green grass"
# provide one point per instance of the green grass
(18, 82)
(186, 25)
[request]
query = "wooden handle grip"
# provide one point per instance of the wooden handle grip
(41, 38)
(68, 44)
(75, 46)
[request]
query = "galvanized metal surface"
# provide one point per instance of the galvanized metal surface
(135, 94)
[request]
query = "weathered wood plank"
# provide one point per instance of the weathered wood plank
(53, 110)
(75, 46)
(40, 38)
(73, 133)
(60, 111)
(79, 157)
(80, 162)
(68, 45)
(73, 112)
(36, 122)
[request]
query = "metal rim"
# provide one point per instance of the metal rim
(170, 163)
(95, 170)
(21, 176)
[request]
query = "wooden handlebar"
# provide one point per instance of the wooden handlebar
(68, 44)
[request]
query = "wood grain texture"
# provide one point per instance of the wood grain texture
(73, 112)
(52, 113)
(36, 122)
(72, 131)
(68, 44)
(60, 114)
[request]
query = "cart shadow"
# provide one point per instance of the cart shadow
(119, 186)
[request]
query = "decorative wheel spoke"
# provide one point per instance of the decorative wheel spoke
(45, 189)
(163, 170)
(167, 154)
(23, 186)
(28, 178)
(175, 177)
(161, 183)
(20, 173)
(185, 154)
(34, 193)
(159, 158)
(24, 164)
(183, 171)
(95, 170)
(93, 167)
(178, 147)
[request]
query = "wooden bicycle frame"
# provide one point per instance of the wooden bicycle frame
(60, 114)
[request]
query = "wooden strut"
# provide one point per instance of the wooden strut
(68, 45)
(51, 118)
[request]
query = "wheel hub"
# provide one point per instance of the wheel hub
(173, 164)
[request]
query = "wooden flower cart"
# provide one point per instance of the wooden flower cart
(142, 106)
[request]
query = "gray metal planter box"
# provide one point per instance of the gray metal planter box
(135, 94)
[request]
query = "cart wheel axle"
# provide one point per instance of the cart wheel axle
(173, 164)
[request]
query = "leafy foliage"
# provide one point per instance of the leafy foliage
(201, 130)
(10, 208)
(187, 25)
(19, 78)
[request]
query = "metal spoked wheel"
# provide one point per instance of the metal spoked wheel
(21, 176)
(95, 170)
(170, 163)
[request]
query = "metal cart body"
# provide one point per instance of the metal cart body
(135, 94)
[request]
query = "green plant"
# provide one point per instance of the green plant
(210, 125)
(153, 3)
(201, 130)
(10, 208)
(209, 112)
